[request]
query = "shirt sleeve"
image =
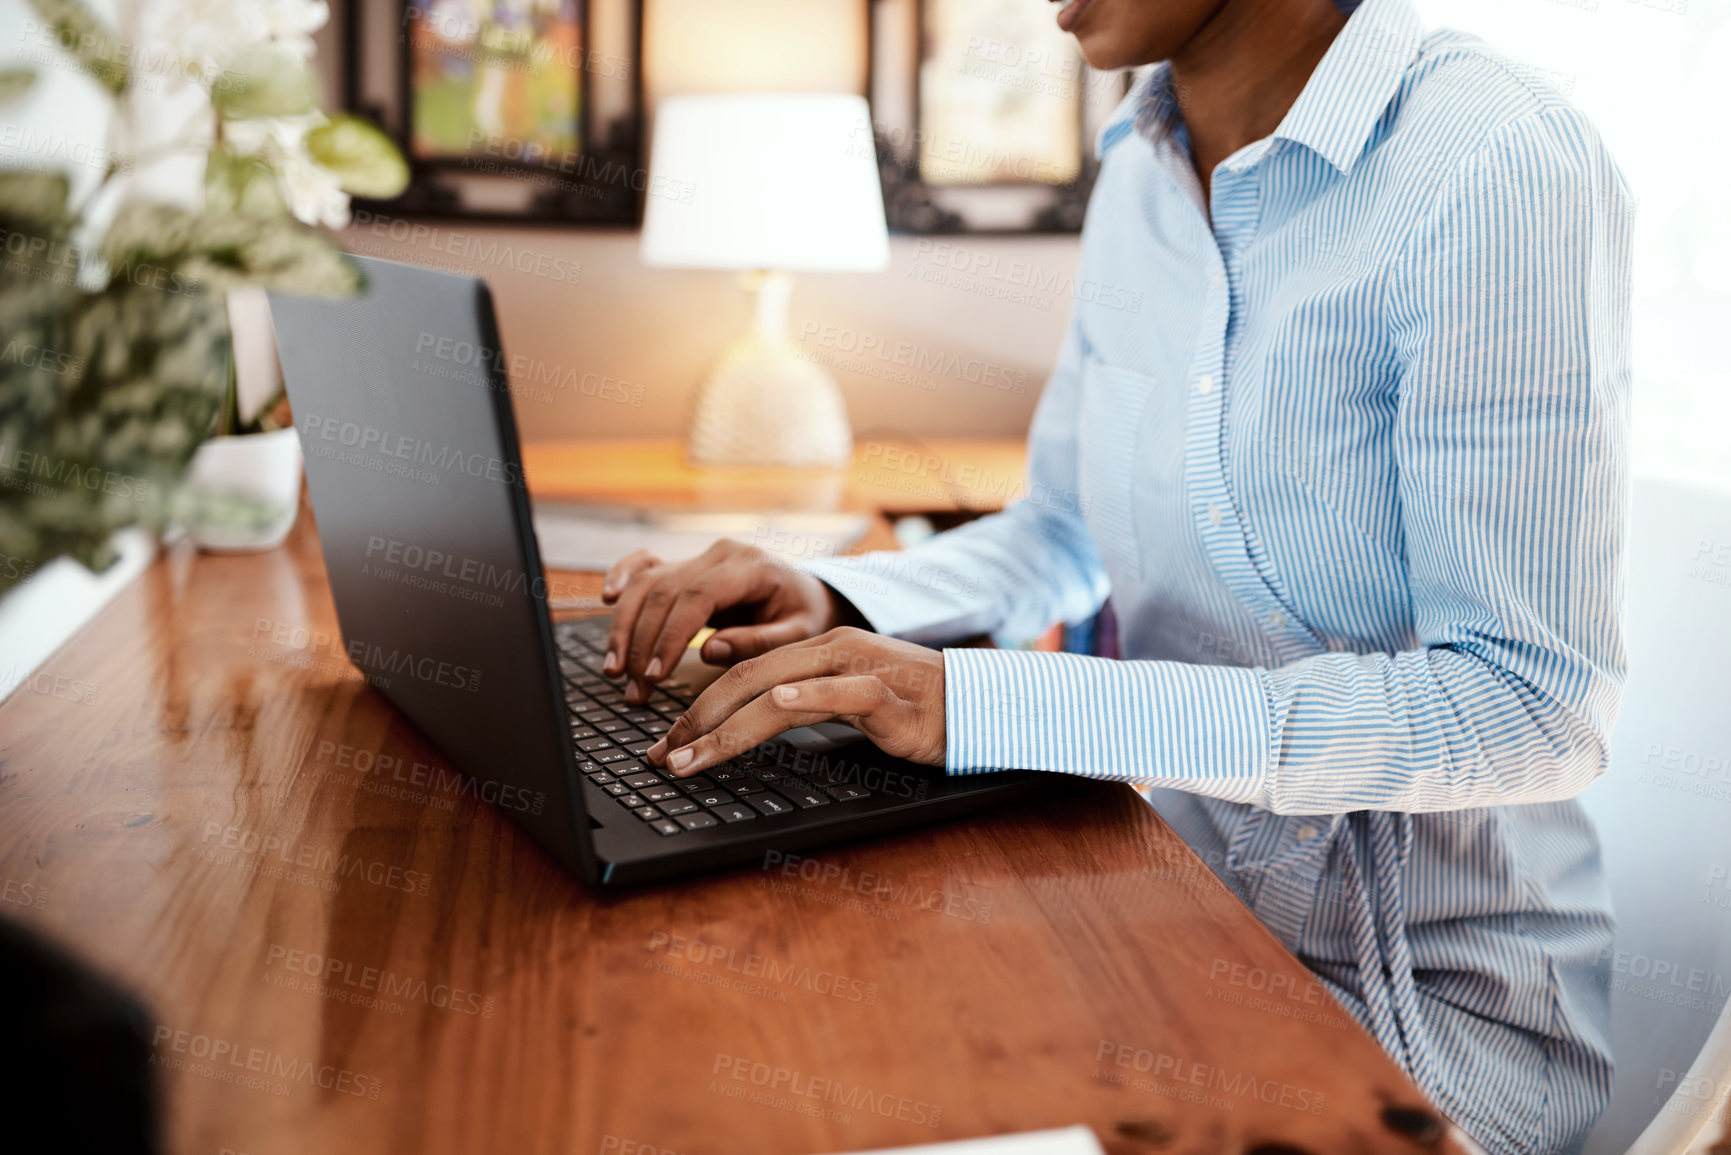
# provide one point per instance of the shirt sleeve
(1509, 313)
(1012, 573)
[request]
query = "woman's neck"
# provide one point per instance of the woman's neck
(1238, 76)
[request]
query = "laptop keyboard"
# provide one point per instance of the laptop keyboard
(612, 736)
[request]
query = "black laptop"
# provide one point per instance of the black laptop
(402, 402)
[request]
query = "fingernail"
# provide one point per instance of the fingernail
(787, 693)
(656, 751)
(632, 689)
(654, 670)
(680, 758)
(720, 650)
(610, 663)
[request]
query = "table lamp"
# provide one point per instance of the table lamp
(767, 184)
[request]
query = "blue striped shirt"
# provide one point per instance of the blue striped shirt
(1348, 452)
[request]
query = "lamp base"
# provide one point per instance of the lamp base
(763, 405)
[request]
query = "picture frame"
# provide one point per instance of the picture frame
(473, 92)
(1010, 67)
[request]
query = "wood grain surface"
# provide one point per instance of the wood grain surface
(346, 951)
(888, 475)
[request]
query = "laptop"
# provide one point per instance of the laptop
(403, 406)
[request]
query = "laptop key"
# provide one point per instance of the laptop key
(613, 726)
(579, 733)
(625, 737)
(607, 757)
(660, 793)
(674, 807)
(656, 727)
(632, 801)
(695, 783)
(803, 796)
(767, 803)
(725, 772)
(617, 789)
(712, 797)
(745, 786)
(587, 767)
(602, 778)
(638, 781)
(640, 747)
(647, 813)
(639, 716)
(698, 820)
(847, 792)
(591, 745)
(735, 812)
(665, 826)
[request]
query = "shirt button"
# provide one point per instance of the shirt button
(1216, 278)
(1277, 620)
(1205, 384)
(1214, 513)
(1306, 832)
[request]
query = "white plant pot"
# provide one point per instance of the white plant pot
(242, 494)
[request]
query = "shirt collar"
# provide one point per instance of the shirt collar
(1339, 105)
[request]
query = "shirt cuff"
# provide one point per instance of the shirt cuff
(1205, 729)
(905, 594)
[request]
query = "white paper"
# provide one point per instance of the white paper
(595, 537)
(1068, 1141)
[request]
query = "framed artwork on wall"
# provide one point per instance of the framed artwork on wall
(493, 71)
(985, 114)
(508, 110)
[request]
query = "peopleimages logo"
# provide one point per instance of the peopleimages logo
(379, 767)
(371, 657)
(529, 373)
(917, 358)
(236, 840)
(791, 1090)
(335, 972)
(756, 966)
(404, 452)
(258, 1068)
(453, 567)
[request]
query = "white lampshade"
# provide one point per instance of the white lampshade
(765, 181)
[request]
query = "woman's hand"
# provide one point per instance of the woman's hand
(890, 690)
(658, 609)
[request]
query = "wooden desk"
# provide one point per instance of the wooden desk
(940, 475)
(1057, 962)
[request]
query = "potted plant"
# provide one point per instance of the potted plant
(118, 367)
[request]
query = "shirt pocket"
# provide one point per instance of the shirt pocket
(1108, 435)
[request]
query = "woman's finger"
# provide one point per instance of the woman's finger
(736, 643)
(620, 575)
(625, 611)
(741, 685)
(773, 713)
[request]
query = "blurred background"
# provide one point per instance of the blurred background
(1655, 76)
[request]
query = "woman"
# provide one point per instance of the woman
(1354, 480)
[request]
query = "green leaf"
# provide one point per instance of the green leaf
(15, 82)
(363, 159)
(87, 40)
(32, 196)
(176, 250)
(241, 184)
(265, 80)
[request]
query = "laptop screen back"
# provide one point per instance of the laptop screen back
(402, 405)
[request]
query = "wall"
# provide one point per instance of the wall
(604, 347)
(577, 306)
